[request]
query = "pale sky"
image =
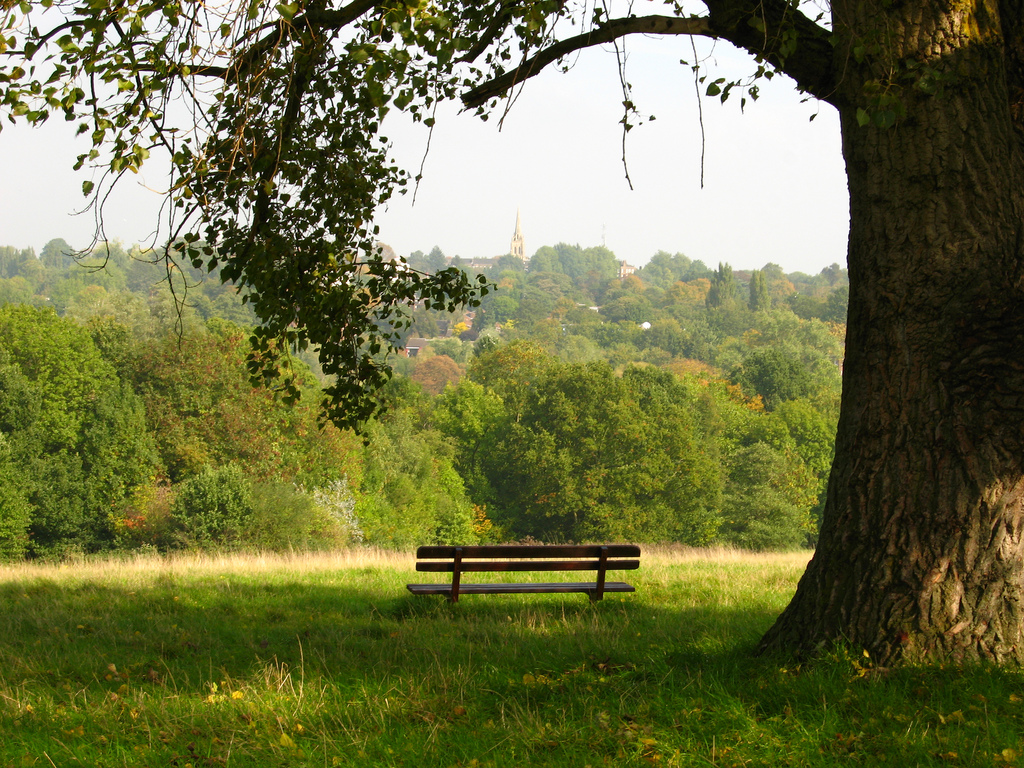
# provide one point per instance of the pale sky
(774, 185)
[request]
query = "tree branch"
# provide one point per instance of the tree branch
(501, 17)
(606, 33)
(316, 18)
(777, 32)
(770, 29)
(323, 18)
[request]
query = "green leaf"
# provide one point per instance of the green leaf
(863, 118)
(288, 10)
(885, 118)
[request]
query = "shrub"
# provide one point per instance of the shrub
(335, 520)
(146, 520)
(213, 508)
(15, 510)
(282, 518)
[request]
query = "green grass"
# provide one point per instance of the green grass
(328, 661)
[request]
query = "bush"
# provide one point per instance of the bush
(335, 520)
(282, 518)
(223, 508)
(146, 520)
(213, 508)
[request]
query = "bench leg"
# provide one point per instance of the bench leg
(456, 576)
(602, 567)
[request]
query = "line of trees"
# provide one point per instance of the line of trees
(126, 423)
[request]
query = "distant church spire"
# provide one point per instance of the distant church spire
(518, 248)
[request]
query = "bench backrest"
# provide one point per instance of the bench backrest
(529, 557)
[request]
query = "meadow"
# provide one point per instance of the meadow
(326, 660)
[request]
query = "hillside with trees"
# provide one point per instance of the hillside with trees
(679, 403)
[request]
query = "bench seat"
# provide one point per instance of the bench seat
(520, 588)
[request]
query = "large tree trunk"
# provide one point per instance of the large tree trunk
(921, 553)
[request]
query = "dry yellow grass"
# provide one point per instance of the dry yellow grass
(672, 554)
(129, 567)
(657, 562)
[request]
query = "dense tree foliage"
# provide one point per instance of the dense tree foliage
(596, 456)
(127, 424)
(74, 431)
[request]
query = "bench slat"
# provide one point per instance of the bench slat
(478, 566)
(435, 552)
(520, 588)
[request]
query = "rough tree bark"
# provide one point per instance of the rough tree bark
(920, 554)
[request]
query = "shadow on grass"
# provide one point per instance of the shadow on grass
(664, 676)
(194, 630)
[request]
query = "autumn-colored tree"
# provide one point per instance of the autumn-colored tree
(437, 372)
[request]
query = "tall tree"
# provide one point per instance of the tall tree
(597, 457)
(723, 288)
(759, 298)
(57, 254)
(921, 551)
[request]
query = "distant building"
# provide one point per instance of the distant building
(414, 345)
(625, 270)
(481, 263)
(518, 247)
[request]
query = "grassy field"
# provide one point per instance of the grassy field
(328, 661)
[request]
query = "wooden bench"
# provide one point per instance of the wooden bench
(525, 557)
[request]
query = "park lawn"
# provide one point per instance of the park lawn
(326, 660)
